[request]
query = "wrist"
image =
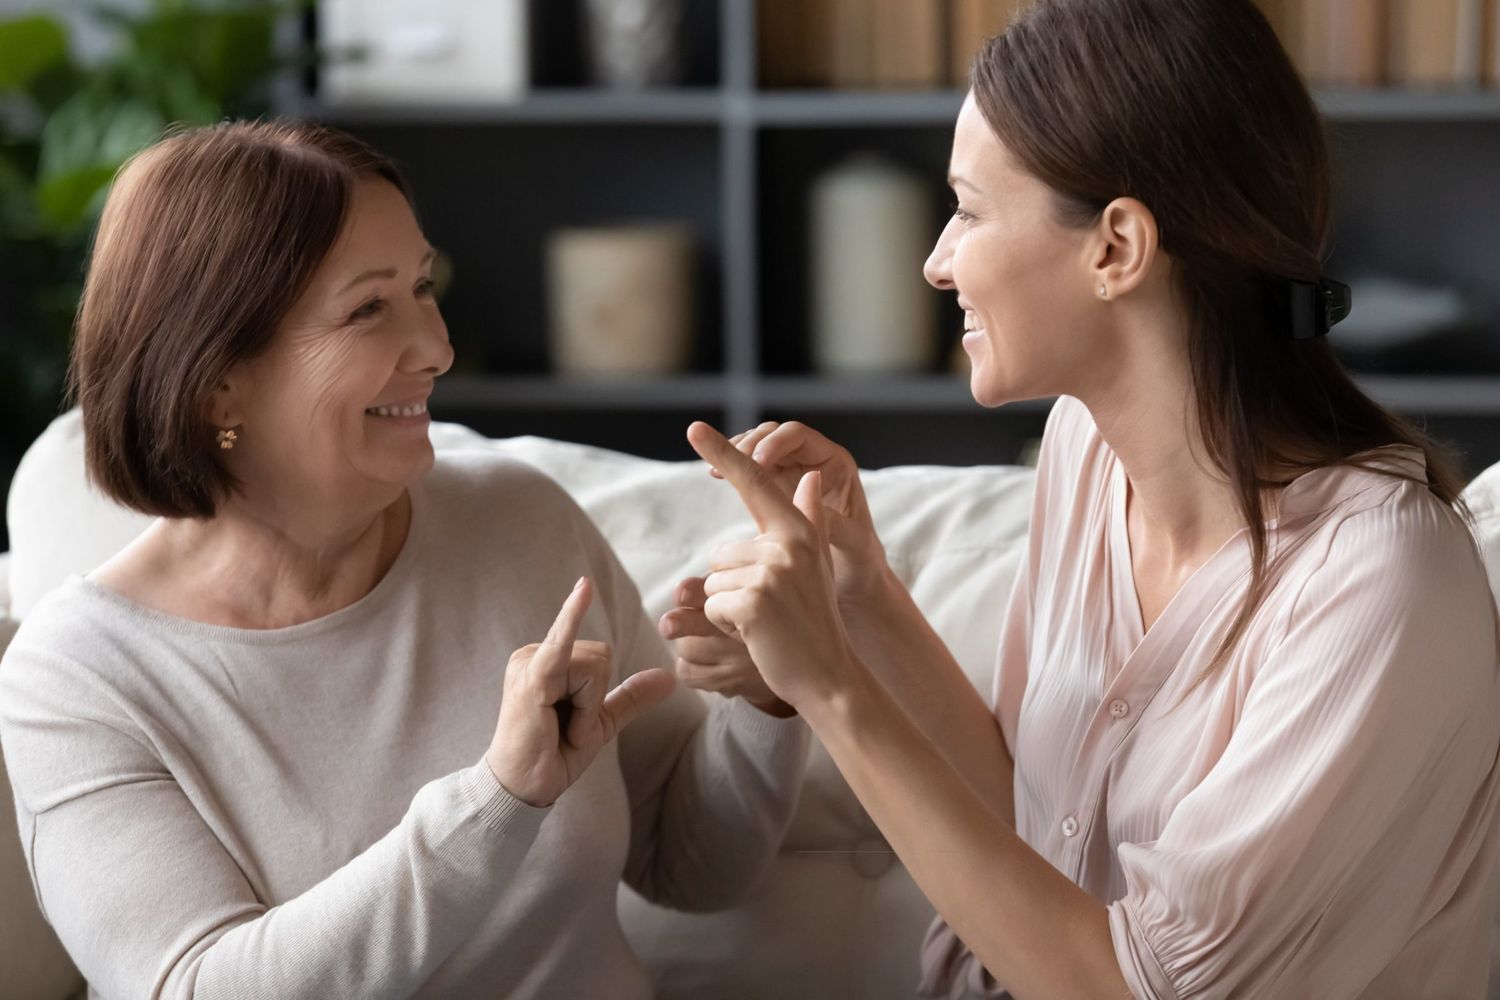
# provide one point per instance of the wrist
(877, 594)
(840, 703)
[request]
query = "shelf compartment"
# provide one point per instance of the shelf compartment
(490, 197)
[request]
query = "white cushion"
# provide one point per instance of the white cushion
(1483, 498)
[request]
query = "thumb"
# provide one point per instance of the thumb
(809, 500)
(634, 697)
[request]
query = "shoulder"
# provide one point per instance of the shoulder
(1400, 566)
(476, 485)
(67, 658)
(1398, 532)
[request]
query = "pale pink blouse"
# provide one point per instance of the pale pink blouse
(1314, 821)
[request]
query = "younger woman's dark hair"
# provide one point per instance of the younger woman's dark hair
(206, 241)
(1193, 108)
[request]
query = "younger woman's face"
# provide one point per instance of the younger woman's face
(1021, 277)
(337, 406)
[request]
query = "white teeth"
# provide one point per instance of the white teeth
(415, 409)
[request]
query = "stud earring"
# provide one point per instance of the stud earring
(227, 438)
(1103, 292)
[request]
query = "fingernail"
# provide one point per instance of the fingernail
(757, 455)
(579, 585)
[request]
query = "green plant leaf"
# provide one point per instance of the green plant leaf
(68, 200)
(18, 215)
(91, 131)
(28, 47)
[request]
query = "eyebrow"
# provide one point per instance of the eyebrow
(386, 272)
(955, 181)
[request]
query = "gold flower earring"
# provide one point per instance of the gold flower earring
(227, 438)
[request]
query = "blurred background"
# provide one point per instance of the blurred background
(655, 211)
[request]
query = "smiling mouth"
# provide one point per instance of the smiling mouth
(411, 410)
(972, 324)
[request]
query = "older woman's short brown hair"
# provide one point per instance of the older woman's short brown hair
(206, 241)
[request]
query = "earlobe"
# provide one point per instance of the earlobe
(221, 409)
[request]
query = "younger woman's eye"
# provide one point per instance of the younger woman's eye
(426, 287)
(959, 213)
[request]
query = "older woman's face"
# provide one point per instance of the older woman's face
(1020, 275)
(339, 401)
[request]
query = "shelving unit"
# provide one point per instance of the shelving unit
(1416, 195)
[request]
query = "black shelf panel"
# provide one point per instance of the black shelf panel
(542, 107)
(883, 393)
(545, 392)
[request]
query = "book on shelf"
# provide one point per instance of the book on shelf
(853, 40)
(795, 43)
(1425, 42)
(971, 24)
(910, 48)
(1491, 44)
(1469, 68)
(1342, 43)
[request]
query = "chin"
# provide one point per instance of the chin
(983, 387)
(406, 469)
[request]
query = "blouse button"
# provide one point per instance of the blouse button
(1119, 709)
(1069, 826)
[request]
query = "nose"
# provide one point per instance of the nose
(939, 267)
(429, 351)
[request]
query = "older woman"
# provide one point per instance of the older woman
(257, 753)
(1245, 731)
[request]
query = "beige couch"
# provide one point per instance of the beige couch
(838, 917)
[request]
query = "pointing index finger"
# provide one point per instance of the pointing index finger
(564, 631)
(759, 493)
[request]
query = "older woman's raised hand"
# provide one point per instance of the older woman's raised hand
(788, 452)
(776, 591)
(710, 659)
(558, 711)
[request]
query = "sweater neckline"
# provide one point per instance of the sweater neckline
(350, 614)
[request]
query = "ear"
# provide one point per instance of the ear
(1123, 248)
(224, 407)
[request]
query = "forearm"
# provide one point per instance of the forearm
(901, 648)
(1033, 929)
(384, 922)
(717, 824)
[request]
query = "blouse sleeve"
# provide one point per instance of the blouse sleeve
(1354, 793)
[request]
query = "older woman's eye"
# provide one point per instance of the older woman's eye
(369, 309)
(426, 287)
(959, 213)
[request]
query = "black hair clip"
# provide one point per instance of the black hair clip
(1316, 306)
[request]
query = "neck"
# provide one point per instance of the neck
(283, 567)
(1179, 501)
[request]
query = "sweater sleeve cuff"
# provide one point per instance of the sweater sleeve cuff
(497, 808)
(764, 730)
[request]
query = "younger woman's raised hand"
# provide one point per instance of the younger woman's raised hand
(776, 591)
(558, 711)
(788, 452)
